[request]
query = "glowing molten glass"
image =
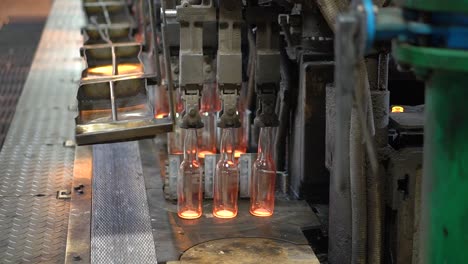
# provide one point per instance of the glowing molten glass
(261, 212)
(124, 68)
(207, 134)
(238, 153)
(189, 184)
(262, 186)
(398, 109)
(224, 214)
(226, 180)
(202, 154)
(162, 115)
(189, 214)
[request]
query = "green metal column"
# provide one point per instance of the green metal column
(445, 181)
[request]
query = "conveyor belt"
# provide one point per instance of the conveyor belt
(120, 227)
(34, 163)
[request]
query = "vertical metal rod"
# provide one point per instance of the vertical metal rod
(115, 68)
(112, 97)
(154, 42)
(167, 62)
(106, 14)
(115, 71)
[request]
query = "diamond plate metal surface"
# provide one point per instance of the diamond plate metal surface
(120, 227)
(18, 43)
(34, 164)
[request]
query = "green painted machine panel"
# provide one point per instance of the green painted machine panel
(431, 58)
(459, 6)
(445, 181)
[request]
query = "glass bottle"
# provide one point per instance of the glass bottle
(189, 185)
(226, 180)
(161, 107)
(210, 104)
(262, 185)
(175, 140)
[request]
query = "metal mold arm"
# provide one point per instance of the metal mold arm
(191, 19)
(267, 66)
(229, 61)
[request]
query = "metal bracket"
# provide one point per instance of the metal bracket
(267, 66)
(63, 194)
(230, 116)
(191, 118)
(229, 74)
(191, 78)
(266, 115)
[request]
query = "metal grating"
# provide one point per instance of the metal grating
(34, 164)
(120, 227)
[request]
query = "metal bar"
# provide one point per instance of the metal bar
(106, 14)
(154, 43)
(167, 63)
(112, 98)
(79, 225)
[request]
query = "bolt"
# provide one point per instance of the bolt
(208, 68)
(76, 258)
(176, 70)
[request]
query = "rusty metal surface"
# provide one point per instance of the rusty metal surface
(249, 251)
(173, 235)
(34, 163)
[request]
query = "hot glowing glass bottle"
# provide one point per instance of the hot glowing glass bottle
(226, 180)
(189, 185)
(262, 185)
(210, 104)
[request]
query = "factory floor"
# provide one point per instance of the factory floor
(104, 203)
(21, 24)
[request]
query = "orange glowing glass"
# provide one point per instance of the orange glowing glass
(398, 109)
(207, 134)
(175, 140)
(238, 153)
(210, 100)
(226, 180)
(262, 186)
(202, 154)
(242, 133)
(189, 184)
(123, 68)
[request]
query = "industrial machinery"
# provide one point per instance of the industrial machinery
(252, 131)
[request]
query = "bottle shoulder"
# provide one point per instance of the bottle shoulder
(193, 164)
(264, 164)
(226, 164)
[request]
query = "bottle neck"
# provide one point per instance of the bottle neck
(227, 144)
(265, 143)
(190, 145)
